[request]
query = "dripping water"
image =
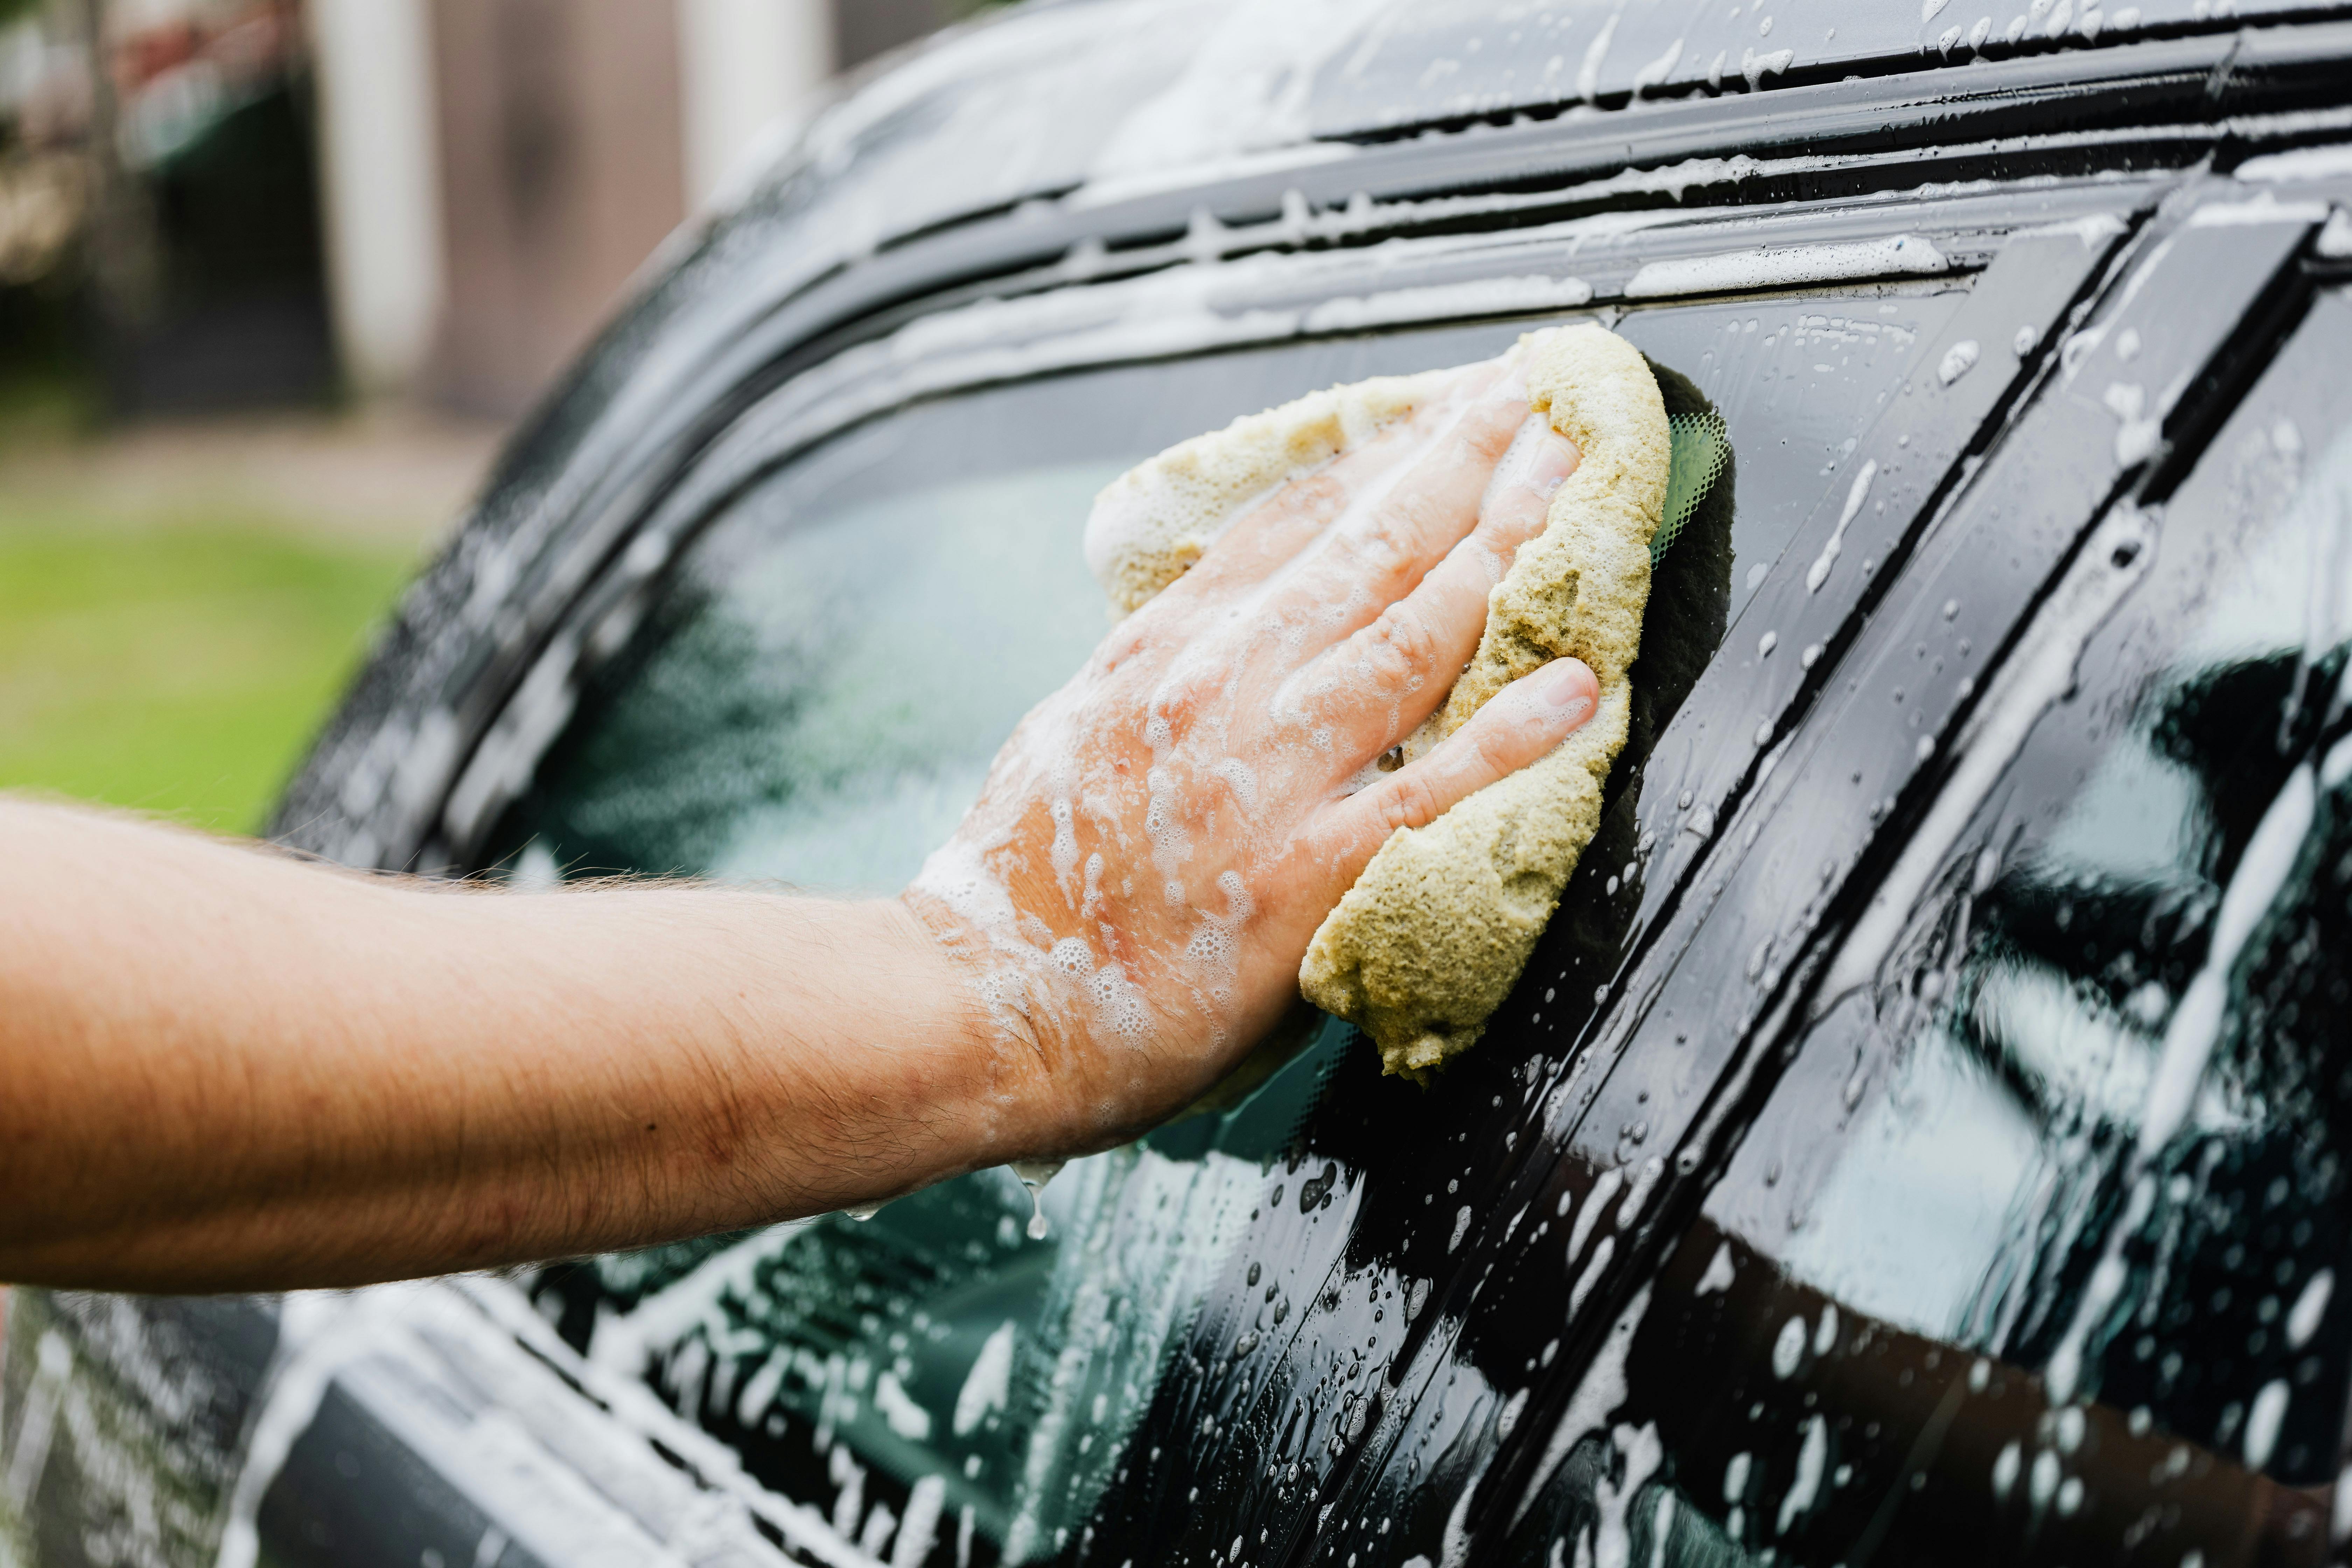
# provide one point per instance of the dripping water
(1034, 1174)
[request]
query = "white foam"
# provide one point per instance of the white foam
(1597, 1397)
(2263, 1419)
(1819, 571)
(2303, 164)
(1604, 1187)
(1642, 1452)
(1583, 1290)
(2310, 1307)
(1813, 1459)
(1719, 1271)
(1485, 297)
(1064, 851)
(1787, 266)
(988, 1384)
(1238, 778)
(2269, 856)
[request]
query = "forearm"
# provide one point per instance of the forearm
(230, 1070)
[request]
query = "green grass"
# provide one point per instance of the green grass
(177, 669)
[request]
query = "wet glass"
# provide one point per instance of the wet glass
(2034, 1254)
(814, 701)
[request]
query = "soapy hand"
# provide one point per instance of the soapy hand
(1131, 895)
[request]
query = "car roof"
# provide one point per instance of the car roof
(1097, 99)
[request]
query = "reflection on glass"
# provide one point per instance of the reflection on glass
(2034, 1253)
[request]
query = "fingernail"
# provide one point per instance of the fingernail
(1566, 685)
(1556, 457)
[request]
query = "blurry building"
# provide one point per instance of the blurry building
(496, 170)
(170, 200)
(261, 201)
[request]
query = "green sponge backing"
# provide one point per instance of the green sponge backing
(1701, 445)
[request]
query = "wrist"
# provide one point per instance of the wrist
(985, 1015)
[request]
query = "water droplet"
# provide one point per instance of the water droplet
(2004, 1470)
(1788, 1350)
(1034, 1174)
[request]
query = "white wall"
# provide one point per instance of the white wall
(751, 70)
(380, 164)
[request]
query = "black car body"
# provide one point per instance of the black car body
(1914, 1140)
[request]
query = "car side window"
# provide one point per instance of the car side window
(2033, 1253)
(813, 698)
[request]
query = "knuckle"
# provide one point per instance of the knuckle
(1515, 514)
(1378, 553)
(1181, 698)
(1424, 510)
(1317, 499)
(1402, 642)
(1496, 745)
(1408, 803)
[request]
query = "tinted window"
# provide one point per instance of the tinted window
(2033, 1253)
(813, 699)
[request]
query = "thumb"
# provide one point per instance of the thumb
(1519, 723)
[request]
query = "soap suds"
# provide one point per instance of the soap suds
(1153, 522)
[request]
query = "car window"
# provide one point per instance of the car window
(2033, 1253)
(813, 698)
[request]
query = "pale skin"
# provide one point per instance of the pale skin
(227, 1069)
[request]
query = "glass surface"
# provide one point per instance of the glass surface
(2034, 1255)
(814, 700)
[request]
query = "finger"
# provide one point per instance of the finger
(1269, 535)
(1523, 721)
(1372, 690)
(1394, 531)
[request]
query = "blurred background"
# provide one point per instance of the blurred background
(274, 275)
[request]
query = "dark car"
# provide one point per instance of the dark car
(1917, 1140)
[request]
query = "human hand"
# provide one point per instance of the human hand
(1131, 895)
